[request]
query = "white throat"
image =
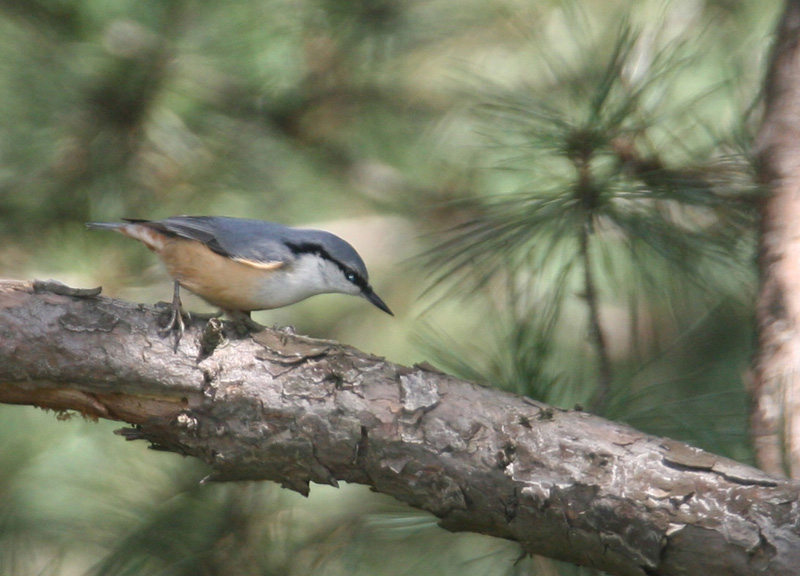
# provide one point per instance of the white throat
(307, 276)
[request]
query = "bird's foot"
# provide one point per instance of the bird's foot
(175, 322)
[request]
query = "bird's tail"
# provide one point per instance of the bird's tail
(105, 225)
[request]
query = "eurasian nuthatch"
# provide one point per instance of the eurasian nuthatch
(243, 265)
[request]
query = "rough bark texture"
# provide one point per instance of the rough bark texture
(776, 374)
(295, 410)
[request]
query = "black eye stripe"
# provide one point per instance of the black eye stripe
(353, 277)
(310, 248)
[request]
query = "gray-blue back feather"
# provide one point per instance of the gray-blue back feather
(263, 241)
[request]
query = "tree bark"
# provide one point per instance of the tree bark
(295, 410)
(775, 391)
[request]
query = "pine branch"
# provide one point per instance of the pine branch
(604, 373)
(296, 410)
(588, 196)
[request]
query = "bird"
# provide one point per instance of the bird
(242, 265)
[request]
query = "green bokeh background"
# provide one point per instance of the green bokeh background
(390, 123)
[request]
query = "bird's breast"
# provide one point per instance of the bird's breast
(232, 284)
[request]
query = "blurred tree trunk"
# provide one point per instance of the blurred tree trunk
(564, 484)
(775, 423)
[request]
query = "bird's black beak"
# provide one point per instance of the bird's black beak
(375, 299)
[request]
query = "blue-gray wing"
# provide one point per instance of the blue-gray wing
(253, 242)
(262, 244)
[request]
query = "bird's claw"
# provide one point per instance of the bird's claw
(176, 323)
(242, 322)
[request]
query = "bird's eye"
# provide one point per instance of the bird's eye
(351, 277)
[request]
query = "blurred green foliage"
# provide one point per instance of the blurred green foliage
(511, 171)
